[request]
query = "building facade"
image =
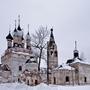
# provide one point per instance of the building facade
(18, 63)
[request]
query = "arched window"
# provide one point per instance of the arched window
(54, 80)
(85, 79)
(36, 82)
(51, 52)
(67, 78)
(18, 79)
(27, 82)
(55, 53)
(20, 68)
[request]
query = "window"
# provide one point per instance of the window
(85, 79)
(18, 79)
(51, 52)
(27, 82)
(55, 53)
(54, 80)
(20, 68)
(67, 78)
(36, 82)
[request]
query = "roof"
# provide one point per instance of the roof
(77, 60)
(5, 68)
(65, 67)
(70, 61)
(73, 60)
(19, 28)
(15, 30)
(31, 61)
(9, 36)
(51, 38)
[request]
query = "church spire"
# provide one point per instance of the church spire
(28, 29)
(18, 20)
(76, 52)
(52, 36)
(15, 23)
(28, 40)
(75, 45)
(19, 28)
(15, 30)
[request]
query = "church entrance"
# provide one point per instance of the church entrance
(28, 82)
(54, 80)
(85, 79)
(36, 82)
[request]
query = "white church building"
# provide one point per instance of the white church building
(18, 63)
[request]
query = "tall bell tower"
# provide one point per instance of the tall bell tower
(52, 53)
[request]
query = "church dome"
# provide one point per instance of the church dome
(15, 33)
(9, 36)
(28, 36)
(19, 28)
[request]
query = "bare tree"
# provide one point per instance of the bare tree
(39, 42)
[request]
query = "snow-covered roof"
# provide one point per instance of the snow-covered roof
(23, 53)
(76, 60)
(65, 66)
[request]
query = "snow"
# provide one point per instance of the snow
(65, 66)
(22, 53)
(42, 86)
(79, 61)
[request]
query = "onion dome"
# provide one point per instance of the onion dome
(28, 35)
(19, 28)
(9, 36)
(15, 33)
(76, 52)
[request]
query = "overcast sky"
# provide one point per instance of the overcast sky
(70, 20)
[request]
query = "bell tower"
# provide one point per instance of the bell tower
(52, 53)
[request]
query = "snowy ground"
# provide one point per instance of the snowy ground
(16, 86)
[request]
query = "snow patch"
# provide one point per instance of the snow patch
(42, 86)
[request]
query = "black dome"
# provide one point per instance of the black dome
(9, 36)
(19, 28)
(15, 30)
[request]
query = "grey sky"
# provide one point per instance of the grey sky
(69, 18)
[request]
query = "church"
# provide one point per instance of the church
(18, 63)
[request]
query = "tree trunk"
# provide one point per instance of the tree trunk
(40, 59)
